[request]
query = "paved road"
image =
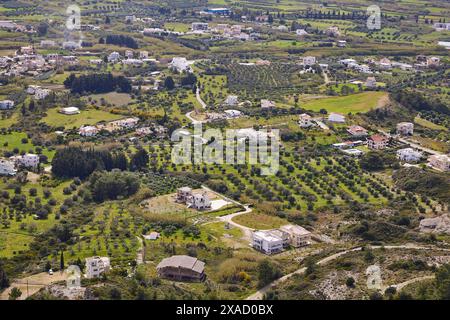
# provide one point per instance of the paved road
(258, 295)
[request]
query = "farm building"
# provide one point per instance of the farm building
(70, 111)
(181, 268)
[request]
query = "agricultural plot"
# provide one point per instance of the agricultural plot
(361, 102)
(19, 142)
(112, 233)
(56, 119)
(20, 225)
(253, 81)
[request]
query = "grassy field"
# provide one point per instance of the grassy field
(428, 124)
(259, 221)
(113, 98)
(9, 142)
(361, 102)
(86, 117)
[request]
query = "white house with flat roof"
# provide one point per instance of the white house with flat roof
(232, 100)
(265, 104)
(96, 266)
(28, 160)
(267, 242)
(336, 117)
(88, 131)
(180, 64)
(7, 168)
(298, 236)
(305, 120)
(6, 104)
(409, 155)
(114, 57)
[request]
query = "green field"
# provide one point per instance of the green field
(361, 102)
(86, 117)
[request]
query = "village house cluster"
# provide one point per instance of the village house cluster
(113, 126)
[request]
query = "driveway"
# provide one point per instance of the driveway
(32, 284)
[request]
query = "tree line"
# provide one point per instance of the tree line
(97, 83)
(120, 40)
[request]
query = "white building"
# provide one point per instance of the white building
(336, 117)
(267, 242)
(199, 26)
(371, 82)
(267, 104)
(6, 104)
(232, 113)
(114, 57)
(130, 19)
(28, 160)
(88, 131)
(40, 93)
(309, 61)
(333, 31)
(341, 43)
(199, 201)
(71, 45)
(7, 168)
(143, 55)
(405, 128)
(409, 155)
(232, 100)
(70, 111)
(298, 236)
(96, 266)
(441, 26)
(305, 120)
(129, 54)
(440, 162)
(301, 32)
(180, 64)
(48, 44)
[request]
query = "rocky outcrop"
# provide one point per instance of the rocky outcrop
(437, 225)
